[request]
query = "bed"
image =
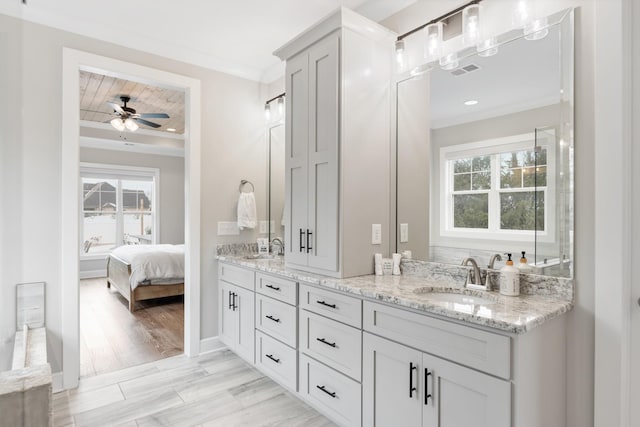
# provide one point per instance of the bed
(142, 272)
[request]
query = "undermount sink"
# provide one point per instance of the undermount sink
(456, 298)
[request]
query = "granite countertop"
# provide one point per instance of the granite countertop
(510, 314)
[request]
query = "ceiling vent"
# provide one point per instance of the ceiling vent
(464, 70)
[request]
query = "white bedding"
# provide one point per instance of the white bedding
(153, 264)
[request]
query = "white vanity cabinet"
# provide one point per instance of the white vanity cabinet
(236, 310)
(337, 82)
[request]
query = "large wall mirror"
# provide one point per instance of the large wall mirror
(275, 180)
(484, 154)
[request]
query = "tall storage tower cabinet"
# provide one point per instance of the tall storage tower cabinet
(338, 86)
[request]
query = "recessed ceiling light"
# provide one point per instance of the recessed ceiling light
(471, 102)
(171, 130)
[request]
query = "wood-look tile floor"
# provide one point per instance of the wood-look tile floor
(112, 338)
(214, 389)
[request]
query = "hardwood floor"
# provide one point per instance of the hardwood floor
(112, 338)
(214, 389)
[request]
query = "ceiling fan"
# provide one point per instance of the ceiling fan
(128, 118)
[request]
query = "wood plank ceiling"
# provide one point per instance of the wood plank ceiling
(97, 89)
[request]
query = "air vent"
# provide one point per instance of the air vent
(466, 69)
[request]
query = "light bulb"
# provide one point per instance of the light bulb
(267, 111)
(131, 124)
(521, 14)
(117, 123)
(400, 53)
(433, 46)
(280, 106)
(536, 29)
(488, 47)
(449, 61)
(471, 24)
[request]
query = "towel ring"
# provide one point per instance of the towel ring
(245, 182)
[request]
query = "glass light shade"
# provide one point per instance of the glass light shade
(433, 45)
(281, 105)
(400, 53)
(471, 24)
(521, 13)
(117, 123)
(449, 61)
(131, 124)
(536, 29)
(267, 111)
(487, 47)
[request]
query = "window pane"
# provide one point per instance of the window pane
(542, 157)
(138, 228)
(482, 163)
(462, 165)
(471, 211)
(541, 176)
(510, 178)
(136, 195)
(462, 182)
(522, 210)
(99, 194)
(99, 233)
(481, 181)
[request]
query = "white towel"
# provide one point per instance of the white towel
(247, 216)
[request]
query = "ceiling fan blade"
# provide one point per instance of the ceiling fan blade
(118, 109)
(146, 122)
(154, 115)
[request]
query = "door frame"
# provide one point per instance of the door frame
(73, 61)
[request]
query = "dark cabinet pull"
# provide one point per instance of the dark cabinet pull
(330, 393)
(270, 356)
(268, 316)
(275, 288)
(235, 304)
(326, 305)
(426, 386)
(411, 387)
(301, 237)
(309, 248)
(230, 300)
(323, 341)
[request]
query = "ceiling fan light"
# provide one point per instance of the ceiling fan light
(131, 124)
(117, 123)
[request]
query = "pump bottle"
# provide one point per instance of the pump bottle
(509, 279)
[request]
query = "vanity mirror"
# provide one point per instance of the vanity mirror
(484, 153)
(275, 180)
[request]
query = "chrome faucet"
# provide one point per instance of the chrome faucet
(474, 279)
(276, 241)
(490, 275)
(494, 258)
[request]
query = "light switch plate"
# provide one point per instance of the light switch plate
(263, 227)
(404, 233)
(228, 228)
(376, 234)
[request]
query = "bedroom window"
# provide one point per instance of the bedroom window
(497, 189)
(118, 207)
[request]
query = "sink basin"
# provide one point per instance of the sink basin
(447, 297)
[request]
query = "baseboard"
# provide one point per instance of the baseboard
(57, 382)
(92, 274)
(211, 344)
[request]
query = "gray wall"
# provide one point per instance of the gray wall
(232, 149)
(171, 195)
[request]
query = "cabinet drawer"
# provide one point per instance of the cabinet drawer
(332, 393)
(465, 345)
(236, 275)
(276, 319)
(337, 345)
(277, 360)
(333, 305)
(276, 287)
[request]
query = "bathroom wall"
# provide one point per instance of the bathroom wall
(580, 336)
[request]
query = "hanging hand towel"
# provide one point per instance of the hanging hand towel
(247, 216)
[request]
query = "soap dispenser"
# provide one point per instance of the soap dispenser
(509, 279)
(524, 267)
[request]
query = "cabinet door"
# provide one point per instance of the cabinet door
(459, 396)
(229, 316)
(296, 148)
(246, 327)
(324, 135)
(391, 384)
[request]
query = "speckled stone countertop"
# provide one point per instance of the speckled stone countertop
(510, 314)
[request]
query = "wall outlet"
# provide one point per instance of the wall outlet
(404, 233)
(376, 234)
(228, 228)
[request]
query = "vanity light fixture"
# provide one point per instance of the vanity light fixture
(449, 61)
(400, 53)
(536, 29)
(487, 47)
(433, 46)
(521, 14)
(281, 105)
(267, 106)
(267, 111)
(471, 25)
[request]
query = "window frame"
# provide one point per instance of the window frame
(119, 173)
(494, 147)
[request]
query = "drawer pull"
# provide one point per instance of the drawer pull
(268, 316)
(330, 393)
(326, 305)
(275, 288)
(270, 356)
(411, 387)
(323, 341)
(426, 386)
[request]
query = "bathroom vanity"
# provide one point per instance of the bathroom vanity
(411, 350)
